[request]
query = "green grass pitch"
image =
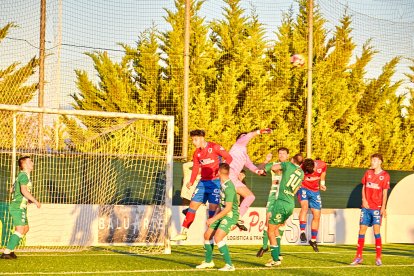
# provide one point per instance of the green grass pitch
(398, 259)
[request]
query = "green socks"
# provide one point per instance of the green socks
(13, 242)
(224, 250)
(265, 239)
(275, 252)
(209, 251)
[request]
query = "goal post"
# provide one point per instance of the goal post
(103, 178)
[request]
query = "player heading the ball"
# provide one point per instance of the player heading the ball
(206, 158)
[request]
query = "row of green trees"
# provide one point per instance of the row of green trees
(239, 81)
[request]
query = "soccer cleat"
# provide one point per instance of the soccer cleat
(204, 264)
(261, 252)
(13, 255)
(227, 267)
(378, 262)
(272, 263)
(357, 261)
(7, 256)
(180, 237)
(240, 225)
(314, 245)
(184, 212)
(280, 257)
(303, 237)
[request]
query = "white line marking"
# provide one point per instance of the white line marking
(39, 254)
(194, 269)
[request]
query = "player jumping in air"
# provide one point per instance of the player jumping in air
(376, 183)
(220, 225)
(207, 158)
(282, 207)
(309, 196)
(283, 156)
(18, 207)
(241, 159)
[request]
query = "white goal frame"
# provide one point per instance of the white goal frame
(169, 146)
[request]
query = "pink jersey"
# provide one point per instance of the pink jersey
(311, 180)
(239, 154)
(208, 160)
(374, 185)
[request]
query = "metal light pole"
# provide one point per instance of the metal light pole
(186, 78)
(309, 97)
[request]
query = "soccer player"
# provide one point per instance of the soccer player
(309, 196)
(220, 224)
(283, 156)
(241, 159)
(206, 158)
(376, 183)
(282, 207)
(21, 196)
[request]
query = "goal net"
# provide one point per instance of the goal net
(103, 178)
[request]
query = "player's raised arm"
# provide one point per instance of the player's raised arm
(223, 153)
(249, 164)
(244, 138)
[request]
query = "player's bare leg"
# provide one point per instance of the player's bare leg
(248, 198)
(208, 246)
(189, 218)
(273, 232)
(266, 238)
(19, 233)
(361, 240)
(304, 207)
(314, 228)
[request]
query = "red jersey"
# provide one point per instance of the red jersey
(374, 185)
(208, 160)
(311, 180)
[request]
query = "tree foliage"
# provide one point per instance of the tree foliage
(239, 81)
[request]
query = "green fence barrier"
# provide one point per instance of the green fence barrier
(343, 187)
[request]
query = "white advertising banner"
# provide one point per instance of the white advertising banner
(70, 224)
(337, 226)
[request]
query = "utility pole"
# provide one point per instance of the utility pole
(186, 78)
(310, 65)
(42, 67)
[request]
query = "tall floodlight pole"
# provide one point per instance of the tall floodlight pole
(186, 77)
(310, 65)
(42, 67)
(58, 77)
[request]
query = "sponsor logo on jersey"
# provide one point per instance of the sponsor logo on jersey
(373, 185)
(206, 161)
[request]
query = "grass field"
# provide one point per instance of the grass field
(398, 259)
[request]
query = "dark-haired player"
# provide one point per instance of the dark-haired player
(220, 224)
(206, 158)
(21, 196)
(282, 207)
(309, 197)
(241, 159)
(376, 183)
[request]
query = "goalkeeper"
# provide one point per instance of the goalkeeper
(18, 207)
(241, 159)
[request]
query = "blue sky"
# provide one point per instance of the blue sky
(94, 24)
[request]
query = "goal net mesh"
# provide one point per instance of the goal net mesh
(102, 181)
